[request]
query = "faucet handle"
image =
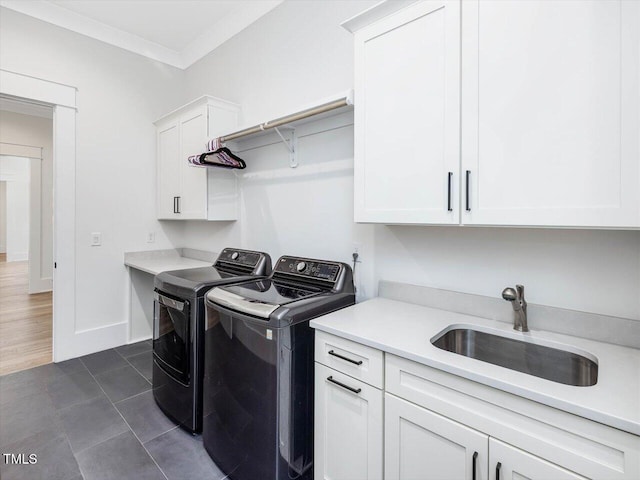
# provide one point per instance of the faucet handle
(509, 294)
(520, 291)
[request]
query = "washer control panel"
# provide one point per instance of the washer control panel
(241, 257)
(319, 269)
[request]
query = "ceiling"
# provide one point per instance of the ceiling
(176, 32)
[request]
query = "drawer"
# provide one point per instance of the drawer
(351, 358)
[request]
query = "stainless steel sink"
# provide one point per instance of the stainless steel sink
(533, 359)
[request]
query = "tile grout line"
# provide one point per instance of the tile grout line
(125, 421)
(126, 359)
(226, 477)
(57, 414)
(132, 396)
(81, 401)
(65, 432)
(163, 433)
(133, 366)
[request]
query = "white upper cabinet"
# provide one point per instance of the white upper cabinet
(407, 116)
(184, 191)
(193, 128)
(550, 104)
(531, 107)
(168, 166)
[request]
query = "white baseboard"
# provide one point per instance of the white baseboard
(17, 256)
(41, 285)
(140, 339)
(91, 341)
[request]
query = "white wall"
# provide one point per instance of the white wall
(35, 131)
(14, 171)
(298, 53)
(586, 270)
(3, 216)
(292, 57)
(119, 96)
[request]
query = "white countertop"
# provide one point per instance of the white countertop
(161, 261)
(406, 330)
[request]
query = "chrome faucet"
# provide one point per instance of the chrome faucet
(519, 304)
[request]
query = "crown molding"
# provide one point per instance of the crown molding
(75, 22)
(209, 40)
(374, 13)
(226, 28)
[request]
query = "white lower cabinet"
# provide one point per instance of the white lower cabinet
(348, 427)
(510, 463)
(439, 426)
(420, 444)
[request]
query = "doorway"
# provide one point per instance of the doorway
(67, 342)
(26, 237)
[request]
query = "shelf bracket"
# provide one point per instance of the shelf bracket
(291, 144)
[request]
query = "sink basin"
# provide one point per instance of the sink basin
(531, 358)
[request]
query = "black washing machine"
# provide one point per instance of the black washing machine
(178, 329)
(259, 359)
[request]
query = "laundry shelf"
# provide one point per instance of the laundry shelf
(288, 123)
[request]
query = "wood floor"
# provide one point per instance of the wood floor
(25, 320)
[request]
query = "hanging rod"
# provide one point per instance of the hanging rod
(310, 112)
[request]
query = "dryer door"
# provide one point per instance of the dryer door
(171, 319)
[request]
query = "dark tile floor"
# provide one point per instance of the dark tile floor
(94, 418)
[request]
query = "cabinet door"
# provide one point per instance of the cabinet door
(550, 104)
(348, 428)
(168, 171)
(510, 463)
(422, 445)
(407, 119)
(193, 195)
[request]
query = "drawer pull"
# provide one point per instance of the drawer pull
(449, 209)
(468, 207)
(473, 465)
(355, 362)
(340, 384)
(498, 467)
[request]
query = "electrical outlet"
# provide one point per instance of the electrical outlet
(357, 248)
(96, 239)
(151, 237)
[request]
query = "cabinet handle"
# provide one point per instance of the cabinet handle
(355, 362)
(340, 384)
(473, 465)
(175, 207)
(449, 209)
(498, 467)
(178, 205)
(467, 190)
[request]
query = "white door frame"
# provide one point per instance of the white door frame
(63, 100)
(37, 283)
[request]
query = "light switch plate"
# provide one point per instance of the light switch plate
(96, 239)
